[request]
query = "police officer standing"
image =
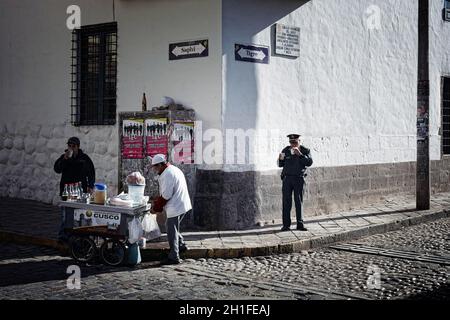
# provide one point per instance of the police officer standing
(293, 159)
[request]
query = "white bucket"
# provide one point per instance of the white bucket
(136, 192)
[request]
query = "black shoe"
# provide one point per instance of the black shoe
(285, 229)
(301, 227)
(169, 262)
(182, 249)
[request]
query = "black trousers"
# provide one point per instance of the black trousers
(292, 184)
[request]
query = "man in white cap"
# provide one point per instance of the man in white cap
(174, 198)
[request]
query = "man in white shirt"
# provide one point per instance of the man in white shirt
(174, 198)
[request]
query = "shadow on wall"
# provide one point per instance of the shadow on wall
(233, 200)
(242, 22)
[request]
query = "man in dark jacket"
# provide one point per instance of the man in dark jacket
(294, 159)
(75, 166)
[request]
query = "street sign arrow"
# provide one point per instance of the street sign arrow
(191, 49)
(250, 53)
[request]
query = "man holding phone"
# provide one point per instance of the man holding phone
(75, 166)
(294, 159)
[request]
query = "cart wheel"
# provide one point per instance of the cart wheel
(82, 249)
(113, 252)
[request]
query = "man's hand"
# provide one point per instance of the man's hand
(152, 211)
(297, 151)
(67, 154)
(281, 157)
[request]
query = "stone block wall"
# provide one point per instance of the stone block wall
(232, 200)
(28, 152)
(222, 200)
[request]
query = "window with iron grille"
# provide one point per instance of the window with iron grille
(94, 75)
(446, 115)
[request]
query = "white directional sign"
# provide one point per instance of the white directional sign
(186, 50)
(192, 49)
(287, 40)
(250, 53)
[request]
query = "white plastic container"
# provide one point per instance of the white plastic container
(136, 193)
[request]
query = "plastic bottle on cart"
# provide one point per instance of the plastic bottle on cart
(80, 186)
(65, 194)
(80, 190)
(72, 192)
(70, 189)
(77, 191)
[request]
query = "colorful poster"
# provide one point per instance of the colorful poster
(183, 142)
(156, 136)
(133, 139)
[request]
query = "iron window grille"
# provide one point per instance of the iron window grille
(94, 75)
(445, 116)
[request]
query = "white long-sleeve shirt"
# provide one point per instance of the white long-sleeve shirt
(173, 187)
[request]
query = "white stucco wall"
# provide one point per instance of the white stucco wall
(35, 81)
(145, 30)
(352, 91)
(35, 98)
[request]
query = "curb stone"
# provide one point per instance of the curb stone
(254, 251)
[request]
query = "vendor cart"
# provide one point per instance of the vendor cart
(99, 230)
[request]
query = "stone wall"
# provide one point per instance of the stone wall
(232, 200)
(222, 200)
(28, 152)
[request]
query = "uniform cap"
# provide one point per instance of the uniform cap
(159, 158)
(293, 136)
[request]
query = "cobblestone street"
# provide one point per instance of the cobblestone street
(34, 273)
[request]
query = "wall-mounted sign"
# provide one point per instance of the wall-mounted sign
(287, 40)
(97, 218)
(191, 49)
(446, 14)
(133, 139)
(156, 136)
(182, 138)
(249, 53)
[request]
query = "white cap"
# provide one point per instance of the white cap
(158, 159)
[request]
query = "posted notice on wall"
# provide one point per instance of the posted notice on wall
(287, 40)
(156, 136)
(133, 139)
(182, 139)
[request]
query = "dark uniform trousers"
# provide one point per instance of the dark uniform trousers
(291, 184)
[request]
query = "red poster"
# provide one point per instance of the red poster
(133, 139)
(156, 136)
(183, 142)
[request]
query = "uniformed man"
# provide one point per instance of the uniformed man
(294, 159)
